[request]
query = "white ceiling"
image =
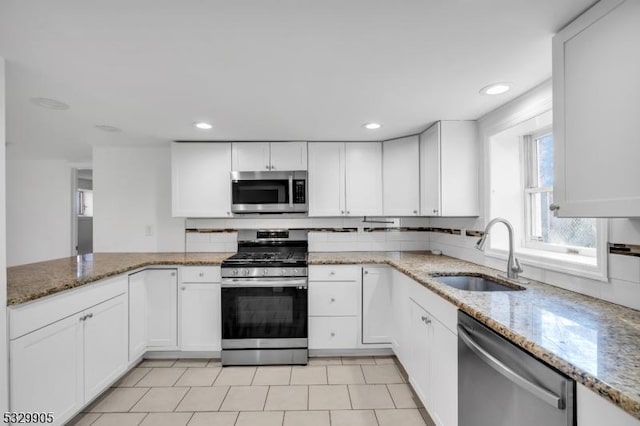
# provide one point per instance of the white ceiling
(261, 69)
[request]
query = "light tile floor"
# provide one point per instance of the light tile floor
(349, 391)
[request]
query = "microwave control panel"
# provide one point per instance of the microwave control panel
(299, 192)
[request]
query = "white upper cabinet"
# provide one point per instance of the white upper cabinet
(401, 176)
(449, 169)
(326, 178)
(363, 190)
(262, 156)
(288, 156)
(250, 156)
(200, 179)
(596, 106)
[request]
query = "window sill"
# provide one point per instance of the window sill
(582, 266)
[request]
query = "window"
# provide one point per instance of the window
(544, 231)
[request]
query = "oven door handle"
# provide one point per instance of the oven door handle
(290, 190)
(235, 283)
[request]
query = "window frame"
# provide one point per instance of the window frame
(530, 188)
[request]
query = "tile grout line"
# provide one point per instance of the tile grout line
(139, 399)
(223, 399)
(180, 377)
(181, 399)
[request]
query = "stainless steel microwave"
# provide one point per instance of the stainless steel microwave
(269, 192)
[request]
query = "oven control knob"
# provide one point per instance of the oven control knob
(245, 272)
(235, 272)
(265, 271)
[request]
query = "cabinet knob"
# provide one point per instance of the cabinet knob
(82, 318)
(332, 273)
(273, 167)
(415, 212)
(228, 213)
(426, 320)
(554, 207)
(341, 211)
(435, 211)
(183, 288)
(348, 212)
(201, 274)
(89, 315)
(366, 272)
(267, 167)
(333, 334)
(333, 299)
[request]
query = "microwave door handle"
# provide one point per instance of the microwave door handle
(290, 190)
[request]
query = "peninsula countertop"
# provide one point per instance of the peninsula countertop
(597, 343)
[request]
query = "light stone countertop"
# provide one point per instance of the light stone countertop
(597, 343)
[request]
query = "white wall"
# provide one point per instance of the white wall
(38, 210)
(623, 286)
(4, 365)
(132, 200)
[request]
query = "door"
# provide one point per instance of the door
(162, 308)
(200, 179)
(596, 62)
(430, 171)
(376, 309)
(363, 190)
(264, 313)
(420, 341)
(401, 176)
(137, 316)
(46, 370)
(250, 156)
(288, 156)
(105, 344)
(200, 317)
(326, 179)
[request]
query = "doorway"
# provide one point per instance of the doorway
(83, 211)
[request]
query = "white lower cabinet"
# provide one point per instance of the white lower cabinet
(137, 316)
(419, 365)
(200, 310)
(334, 294)
(162, 309)
(376, 309)
(105, 345)
(46, 370)
(59, 366)
(333, 332)
(594, 410)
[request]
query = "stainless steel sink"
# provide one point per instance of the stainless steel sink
(476, 283)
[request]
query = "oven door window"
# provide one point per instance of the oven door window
(264, 313)
(260, 192)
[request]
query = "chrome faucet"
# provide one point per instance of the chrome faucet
(513, 266)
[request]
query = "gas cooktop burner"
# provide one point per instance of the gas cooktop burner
(258, 257)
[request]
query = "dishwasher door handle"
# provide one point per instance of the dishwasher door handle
(542, 393)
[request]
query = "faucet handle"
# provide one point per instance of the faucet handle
(516, 265)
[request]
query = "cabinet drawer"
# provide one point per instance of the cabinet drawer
(335, 273)
(333, 298)
(333, 332)
(200, 274)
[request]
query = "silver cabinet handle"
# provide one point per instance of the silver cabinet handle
(494, 363)
(366, 272)
(333, 334)
(348, 212)
(89, 315)
(426, 320)
(201, 274)
(183, 288)
(554, 207)
(173, 274)
(435, 210)
(415, 212)
(267, 167)
(341, 211)
(332, 273)
(83, 318)
(273, 167)
(333, 299)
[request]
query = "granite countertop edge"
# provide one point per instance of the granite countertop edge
(629, 403)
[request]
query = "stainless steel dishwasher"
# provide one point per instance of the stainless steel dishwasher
(499, 384)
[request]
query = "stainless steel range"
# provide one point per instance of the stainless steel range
(264, 299)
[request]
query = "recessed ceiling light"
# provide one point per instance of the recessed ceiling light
(202, 125)
(372, 126)
(108, 128)
(495, 89)
(49, 103)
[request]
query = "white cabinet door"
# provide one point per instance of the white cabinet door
(201, 184)
(105, 344)
(596, 105)
(594, 410)
(200, 319)
(363, 190)
(326, 178)
(47, 370)
(430, 171)
(376, 309)
(288, 156)
(137, 316)
(162, 309)
(419, 367)
(250, 156)
(401, 318)
(444, 375)
(401, 176)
